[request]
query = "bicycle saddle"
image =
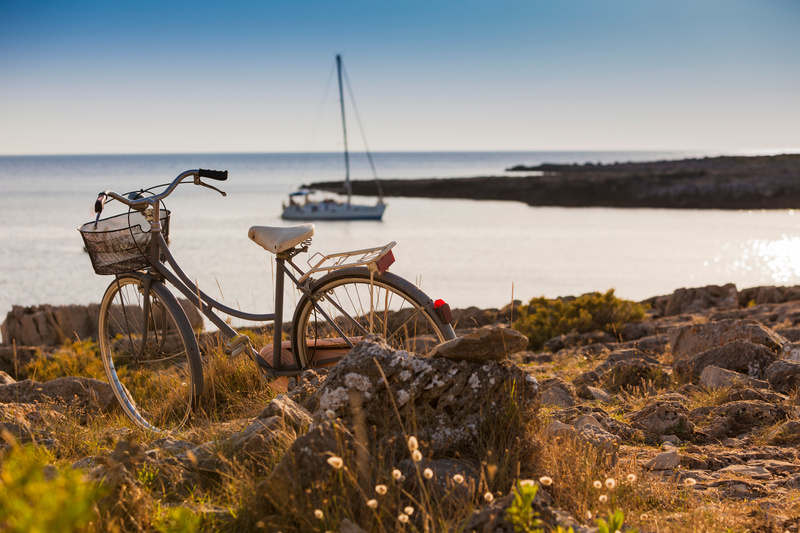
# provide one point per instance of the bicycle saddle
(280, 239)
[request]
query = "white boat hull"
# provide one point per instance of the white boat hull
(333, 211)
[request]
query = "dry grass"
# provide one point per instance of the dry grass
(181, 496)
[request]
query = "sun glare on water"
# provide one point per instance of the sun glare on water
(778, 260)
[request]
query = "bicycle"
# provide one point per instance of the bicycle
(149, 349)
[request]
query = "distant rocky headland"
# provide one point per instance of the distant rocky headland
(760, 182)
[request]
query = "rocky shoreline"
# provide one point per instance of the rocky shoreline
(760, 182)
(700, 396)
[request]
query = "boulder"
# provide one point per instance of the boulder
(557, 392)
(89, 395)
(492, 343)
(49, 325)
(305, 465)
(696, 300)
(663, 417)
(688, 341)
(447, 401)
(669, 460)
(733, 418)
(291, 413)
(739, 356)
(783, 375)
(628, 374)
(714, 377)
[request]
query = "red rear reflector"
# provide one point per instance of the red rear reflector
(443, 309)
(384, 262)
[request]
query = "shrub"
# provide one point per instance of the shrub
(34, 496)
(544, 319)
(71, 359)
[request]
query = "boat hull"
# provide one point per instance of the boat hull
(333, 211)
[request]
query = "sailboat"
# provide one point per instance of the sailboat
(302, 207)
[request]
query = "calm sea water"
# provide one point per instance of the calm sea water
(467, 252)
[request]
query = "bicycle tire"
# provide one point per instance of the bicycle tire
(156, 372)
(400, 313)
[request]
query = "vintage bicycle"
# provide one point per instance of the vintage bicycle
(149, 349)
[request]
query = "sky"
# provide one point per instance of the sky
(87, 77)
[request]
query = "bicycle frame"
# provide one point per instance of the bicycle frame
(206, 304)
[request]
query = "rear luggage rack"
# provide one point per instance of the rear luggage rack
(377, 259)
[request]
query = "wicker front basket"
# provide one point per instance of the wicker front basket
(121, 243)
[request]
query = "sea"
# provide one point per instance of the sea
(467, 252)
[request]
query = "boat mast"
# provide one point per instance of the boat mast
(344, 130)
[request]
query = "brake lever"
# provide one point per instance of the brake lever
(198, 182)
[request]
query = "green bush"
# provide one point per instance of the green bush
(71, 359)
(542, 319)
(36, 497)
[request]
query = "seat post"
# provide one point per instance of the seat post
(277, 359)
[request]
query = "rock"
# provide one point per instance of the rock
(597, 394)
(696, 300)
(626, 375)
(688, 341)
(86, 394)
(14, 359)
(5, 379)
(787, 434)
(572, 340)
(731, 419)
(751, 471)
(490, 343)
(50, 325)
(590, 431)
(714, 377)
(261, 437)
(557, 392)
(305, 464)
(739, 356)
(346, 526)
(663, 417)
(783, 376)
(292, 414)
(447, 401)
(664, 461)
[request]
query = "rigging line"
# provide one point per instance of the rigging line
(363, 135)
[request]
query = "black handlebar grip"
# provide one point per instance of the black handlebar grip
(220, 175)
(98, 204)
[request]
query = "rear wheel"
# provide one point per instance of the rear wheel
(152, 362)
(386, 305)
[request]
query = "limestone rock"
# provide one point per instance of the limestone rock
(664, 461)
(688, 341)
(740, 356)
(557, 392)
(784, 376)
(635, 373)
(293, 414)
(49, 325)
(447, 400)
(714, 377)
(89, 395)
(695, 300)
(663, 418)
(490, 343)
(305, 464)
(731, 419)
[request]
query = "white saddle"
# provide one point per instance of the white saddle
(277, 240)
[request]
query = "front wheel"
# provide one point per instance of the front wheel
(152, 362)
(348, 304)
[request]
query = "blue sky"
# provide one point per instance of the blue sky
(199, 76)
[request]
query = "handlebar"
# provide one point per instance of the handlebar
(219, 175)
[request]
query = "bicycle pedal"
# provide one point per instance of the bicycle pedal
(238, 344)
